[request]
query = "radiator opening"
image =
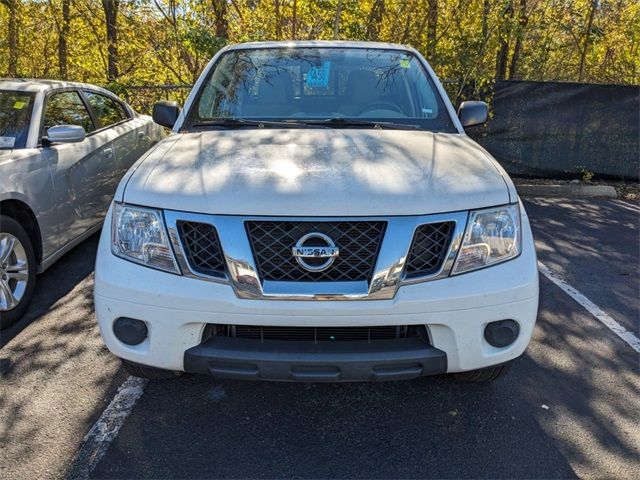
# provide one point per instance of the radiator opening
(316, 334)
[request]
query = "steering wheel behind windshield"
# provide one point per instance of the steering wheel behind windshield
(380, 103)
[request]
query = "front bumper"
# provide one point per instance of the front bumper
(322, 362)
(454, 310)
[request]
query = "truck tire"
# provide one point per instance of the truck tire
(17, 271)
(151, 373)
(484, 375)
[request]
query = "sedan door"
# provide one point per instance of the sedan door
(83, 172)
(130, 136)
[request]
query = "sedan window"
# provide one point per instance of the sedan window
(108, 111)
(66, 108)
(15, 117)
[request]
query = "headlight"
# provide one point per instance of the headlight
(492, 236)
(138, 234)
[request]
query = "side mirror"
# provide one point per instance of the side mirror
(66, 134)
(166, 113)
(473, 113)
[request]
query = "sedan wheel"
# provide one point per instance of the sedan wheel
(17, 271)
(14, 271)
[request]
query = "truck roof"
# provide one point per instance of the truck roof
(319, 44)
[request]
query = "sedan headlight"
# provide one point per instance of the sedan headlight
(492, 236)
(138, 234)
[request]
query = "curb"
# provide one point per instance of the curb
(568, 190)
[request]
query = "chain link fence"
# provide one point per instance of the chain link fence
(142, 97)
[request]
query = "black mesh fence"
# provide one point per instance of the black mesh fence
(558, 130)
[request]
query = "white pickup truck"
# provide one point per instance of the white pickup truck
(317, 214)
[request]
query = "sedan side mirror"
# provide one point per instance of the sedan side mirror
(66, 134)
(166, 113)
(473, 113)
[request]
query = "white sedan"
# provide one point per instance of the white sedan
(63, 149)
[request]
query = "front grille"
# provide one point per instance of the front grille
(428, 249)
(359, 244)
(202, 248)
(317, 334)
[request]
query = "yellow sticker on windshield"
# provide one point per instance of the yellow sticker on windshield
(405, 62)
(19, 105)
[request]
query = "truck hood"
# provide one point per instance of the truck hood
(5, 154)
(317, 172)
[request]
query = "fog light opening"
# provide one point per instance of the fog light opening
(130, 330)
(502, 333)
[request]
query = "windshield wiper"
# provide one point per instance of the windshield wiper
(334, 122)
(351, 122)
(231, 122)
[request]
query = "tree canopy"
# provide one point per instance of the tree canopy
(473, 42)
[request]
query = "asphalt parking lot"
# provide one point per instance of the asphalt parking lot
(568, 408)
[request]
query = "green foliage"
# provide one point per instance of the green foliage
(170, 41)
(201, 41)
(585, 174)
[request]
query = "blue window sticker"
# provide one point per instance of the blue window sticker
(318, 76)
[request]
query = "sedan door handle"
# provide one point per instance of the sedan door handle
(107, 153)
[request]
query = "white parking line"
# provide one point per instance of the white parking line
(105, 430)
(596, 311)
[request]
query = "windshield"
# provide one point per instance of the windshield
(298, 84)
(15, 117)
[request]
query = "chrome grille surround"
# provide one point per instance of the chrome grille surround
(388, 273)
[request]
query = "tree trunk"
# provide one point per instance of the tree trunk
(222, 24)
(336, 20)
(407, 30)
(111, 16)
(432, 29)
(294, 25)
(486, 10)
(503, 50)
(13, 40)
(375, 18)
(276, 5)
(517, 49)
(63, 35)
(587, 37)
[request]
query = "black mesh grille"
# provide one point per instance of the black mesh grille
(359, 244)
(318, 334)
(429, 248)
(202, 247)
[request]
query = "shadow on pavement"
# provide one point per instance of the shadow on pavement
(55, 283)
(57, 375)
(593, 244)
(433, 427)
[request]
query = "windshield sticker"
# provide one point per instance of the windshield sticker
(319, 76)
(7, 142)
(19, 105)
(405, 62)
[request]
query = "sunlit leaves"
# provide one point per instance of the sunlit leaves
(170, 41)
